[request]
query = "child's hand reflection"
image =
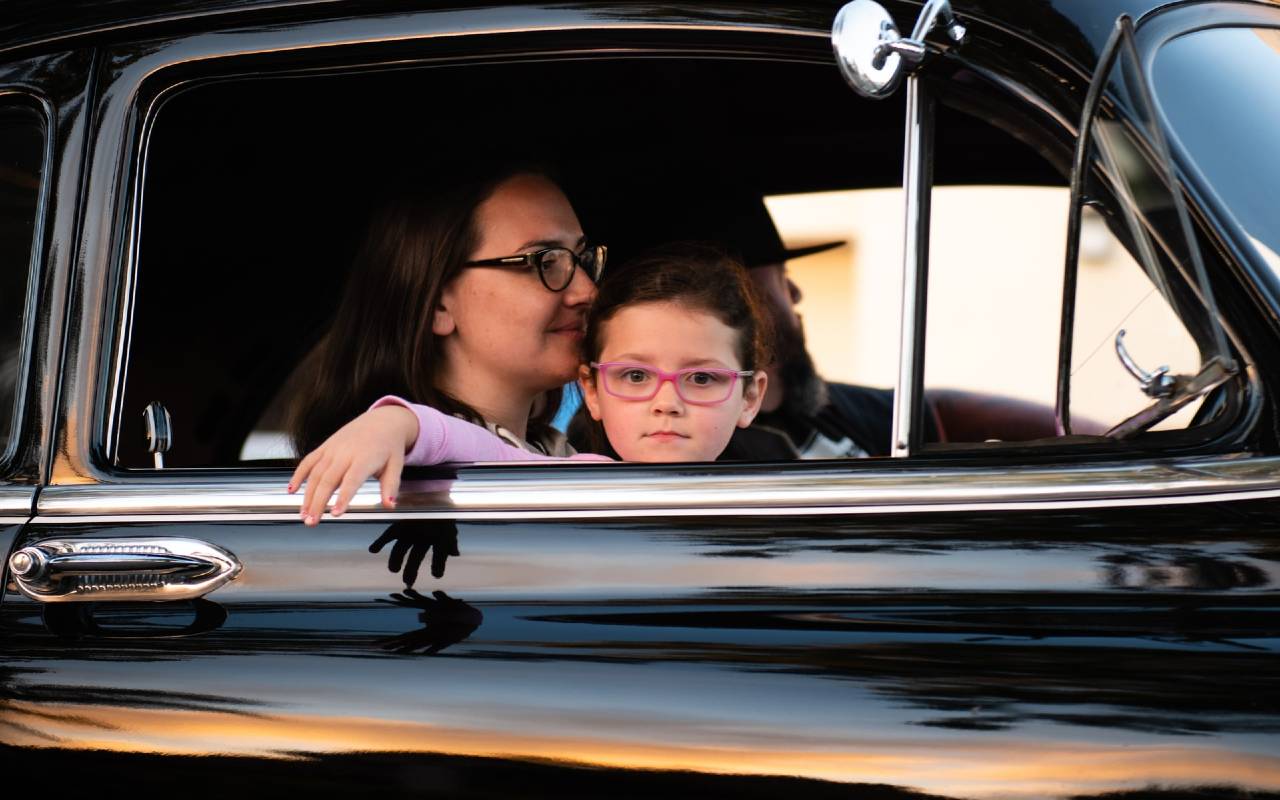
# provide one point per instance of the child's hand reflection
(445, 621)
(413, 538)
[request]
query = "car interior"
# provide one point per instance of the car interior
(257, 191)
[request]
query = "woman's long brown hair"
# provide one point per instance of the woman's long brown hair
(381, 341)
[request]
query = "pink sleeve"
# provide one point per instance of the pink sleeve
(445, 439)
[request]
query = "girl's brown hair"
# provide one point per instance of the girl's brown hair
(696, 276)
(381, 341)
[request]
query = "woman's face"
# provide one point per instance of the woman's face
(503, 329)
(670, 337)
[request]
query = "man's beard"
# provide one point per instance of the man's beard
(804, 392)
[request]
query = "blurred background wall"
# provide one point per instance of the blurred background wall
(995, 296)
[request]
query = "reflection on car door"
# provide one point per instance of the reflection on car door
(915, 650)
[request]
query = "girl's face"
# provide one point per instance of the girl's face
(503, 329)
(670, 337)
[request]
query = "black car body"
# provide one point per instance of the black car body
(1064, 617)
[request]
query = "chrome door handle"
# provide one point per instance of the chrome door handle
(56, 570)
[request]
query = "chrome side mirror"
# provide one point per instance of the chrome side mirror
(861, 30)
(872, 55)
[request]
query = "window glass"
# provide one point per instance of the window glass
(22, 138)
(992, 308)
(848, 295)
(995, 287)
(1114, 293)
(994, 304)
(995, 293)
(1157, 347)
(1219, 89)
(994, 297)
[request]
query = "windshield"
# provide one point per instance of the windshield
(1219, 89)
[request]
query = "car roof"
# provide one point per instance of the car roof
(1079, 29)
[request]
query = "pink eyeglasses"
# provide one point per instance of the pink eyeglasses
(699, 386)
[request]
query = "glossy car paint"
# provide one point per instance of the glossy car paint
(974, 655)
(1011, 653)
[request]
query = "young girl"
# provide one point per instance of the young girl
(673, 346)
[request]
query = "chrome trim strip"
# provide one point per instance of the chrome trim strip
(113, 419)
(356, 516)
(558, 492)
(1027, 96)
(917, 187)
(16, 503)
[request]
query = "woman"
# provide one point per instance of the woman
(470, 298)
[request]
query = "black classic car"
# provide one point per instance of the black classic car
(1090, 613)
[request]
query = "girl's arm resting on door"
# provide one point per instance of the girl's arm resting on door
(444, 439)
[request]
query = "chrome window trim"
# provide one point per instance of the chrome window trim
(917, 193)
(1023, 93)
(571, 491)
(16, 500)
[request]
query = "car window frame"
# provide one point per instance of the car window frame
(1221, 433)
(32, 101)
(83, 485)
(1090, 165)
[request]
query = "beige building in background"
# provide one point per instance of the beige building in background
(995, 296)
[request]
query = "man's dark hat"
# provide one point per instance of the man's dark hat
(750, 234)
(732, 219)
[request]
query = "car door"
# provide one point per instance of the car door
(958, 624)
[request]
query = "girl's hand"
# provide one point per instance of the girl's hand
(372, 444)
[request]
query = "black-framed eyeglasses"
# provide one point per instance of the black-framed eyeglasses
(555, 265)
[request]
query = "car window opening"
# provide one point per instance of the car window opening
(256, 199)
